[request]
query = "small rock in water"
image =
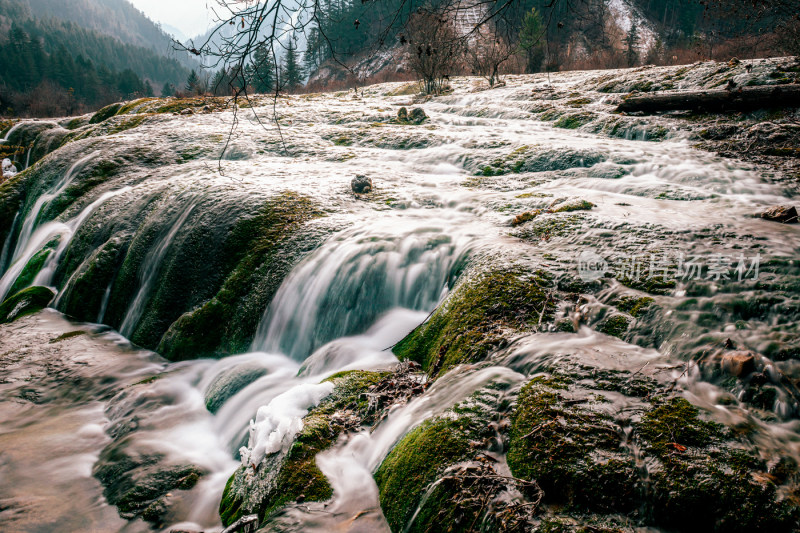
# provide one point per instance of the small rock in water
(417, 116)
(361, 184)
(739, 364)
(786, 214)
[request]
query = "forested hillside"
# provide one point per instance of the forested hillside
(52, 66)
(117, 18)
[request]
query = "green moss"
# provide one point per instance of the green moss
(127, 124)
(474, 320)
(179, 104)
(33, 267)
(578, 205)
(548, 226)
(676, 421)
(574, 121)
(25, 302)
(572, 453)
(217, 327)
(634, 306)
(650, 284)
(616, 326)
(416, 462)
(100, 172)
(105, 113)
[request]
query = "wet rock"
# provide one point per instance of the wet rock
(25, 302)
(359, 398)
(477, 318)
(231, 382)
(361, 184)
(441, 473)
(246, 524)
(140, 485)
(739, 363)
(781, 213)
(417, 116)
(616, 326)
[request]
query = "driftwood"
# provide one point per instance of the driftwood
(740, 99)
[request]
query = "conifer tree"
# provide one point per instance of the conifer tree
(193, 83)
(291, 75)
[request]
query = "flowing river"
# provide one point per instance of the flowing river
(138, 234)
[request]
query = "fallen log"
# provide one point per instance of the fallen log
(741, 99)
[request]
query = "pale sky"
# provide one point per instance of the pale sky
(189, 16)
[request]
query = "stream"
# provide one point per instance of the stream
(369, 272)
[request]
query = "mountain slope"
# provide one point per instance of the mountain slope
(117, 18)
(52, 66)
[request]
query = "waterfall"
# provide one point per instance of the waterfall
(30, 221)
(64, 232)
(12, 130)
(7, 243)
(353, 279)
(148, 273)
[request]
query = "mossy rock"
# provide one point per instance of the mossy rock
(701, 476)
(615, 325)
(634, 306)
(230, 383)
(419, 477)
(26, 302)
(260, 251)
(105, 113)
(283, 478)
(475, 319)
(572, 452)
(33, 267)
(137, 484)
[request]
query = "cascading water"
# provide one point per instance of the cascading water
(31, 220)
(344, 304)
(47, 233)
(148, 274)
(355, 278)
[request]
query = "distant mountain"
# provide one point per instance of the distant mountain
(64, 57)
(117, 18)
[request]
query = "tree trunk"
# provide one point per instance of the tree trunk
(742, 99)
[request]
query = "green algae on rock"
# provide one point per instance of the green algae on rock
(286, 477)
(25, 302)
(698, 475)
(441, 476)
(475, 319)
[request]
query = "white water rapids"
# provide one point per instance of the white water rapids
(342, 307)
